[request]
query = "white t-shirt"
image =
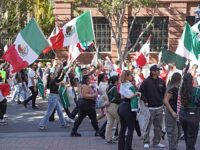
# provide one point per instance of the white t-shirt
(31, 74)
(102, 87)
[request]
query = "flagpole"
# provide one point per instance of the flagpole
(92, 25)
(95, 43)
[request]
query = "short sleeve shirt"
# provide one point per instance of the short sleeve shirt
(31, 74)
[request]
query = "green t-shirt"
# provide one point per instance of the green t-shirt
(3, 75)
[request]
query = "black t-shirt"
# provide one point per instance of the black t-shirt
(173, 99)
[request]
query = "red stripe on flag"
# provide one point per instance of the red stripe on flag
(5, 89)
(46, 50)
(141, 60)
(13, 58)
(57, 40)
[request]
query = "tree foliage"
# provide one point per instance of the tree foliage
(115, 12)
(14, 15)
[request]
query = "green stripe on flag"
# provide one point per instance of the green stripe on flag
(84, 27)
(191, 40)
(34, 37)
(40, 87)
(63, 96)
(170, 57)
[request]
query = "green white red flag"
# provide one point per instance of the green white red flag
(143, 56)
(189, 44)
(28, 45)
(78, 30)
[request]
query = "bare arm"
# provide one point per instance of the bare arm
(166, 102)
(85, 92)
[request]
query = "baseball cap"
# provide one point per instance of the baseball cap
(155, 68)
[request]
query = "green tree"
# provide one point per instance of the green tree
(115, 12)
(43, 12)
(14, 15)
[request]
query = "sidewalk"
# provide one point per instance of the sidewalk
(22, 133)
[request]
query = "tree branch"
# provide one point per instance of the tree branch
(140, 36)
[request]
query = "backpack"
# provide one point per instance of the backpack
(112, 95)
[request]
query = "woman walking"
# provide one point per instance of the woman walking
(127, 117)
(53, 99)
(86, 106)
(170, 101)
(189, 112)
(111, 110)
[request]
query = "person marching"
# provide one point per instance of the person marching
(53, 83)
(189, 114)
(127, 117)
(170, 101)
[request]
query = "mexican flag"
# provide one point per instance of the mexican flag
(95, 59)
(78, 30)
(143, 56)
(40, 86)
(167, 57)
(62, 91)
(189, 45)
(53, 33)
(76, 50)
(27, 47)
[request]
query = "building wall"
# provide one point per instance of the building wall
(176, 10)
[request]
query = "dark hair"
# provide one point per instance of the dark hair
(85, 79)
(1, 79)
(124, 75)
(176, 78)
(186, 89)
(101, 77)
(113, 79)
(48, 80)
(117, 62)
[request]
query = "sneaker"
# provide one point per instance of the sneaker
(70, 120)
(35, 107)
(159, 145)
(75, 134)
(146, 145)
(25, 104)
(110, 142)
(115, 138)
(42, 128)
(65, 126)
(19, 102)
(3, 122)
(96, 133)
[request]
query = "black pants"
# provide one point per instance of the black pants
(127, 120)
(32, 97)
(3, 107)
(190, 125)
(137, 128)
(86, 108)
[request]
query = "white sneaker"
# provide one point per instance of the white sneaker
(42, 128)
(69, 120)
(160, 145)
(146, 145)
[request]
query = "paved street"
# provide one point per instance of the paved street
(22, 133)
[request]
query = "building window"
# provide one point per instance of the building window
(102, 35)
(158, 30)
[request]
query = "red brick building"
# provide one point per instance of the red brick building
(167, 28)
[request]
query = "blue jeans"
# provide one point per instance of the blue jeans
(53, 103)
(19, 91)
